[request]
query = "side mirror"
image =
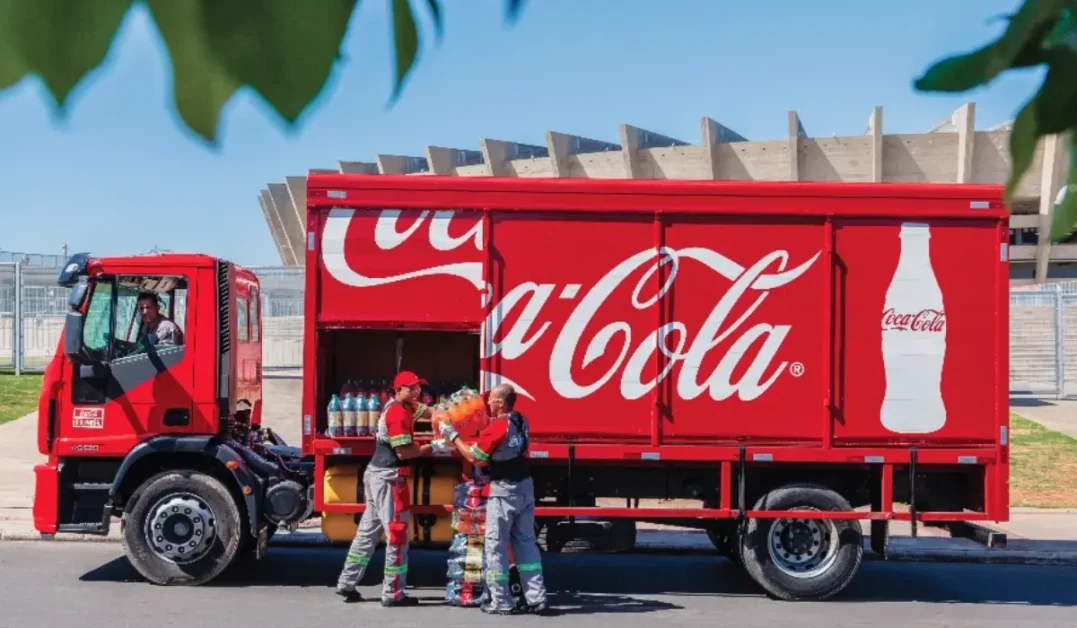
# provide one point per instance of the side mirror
(73, 335)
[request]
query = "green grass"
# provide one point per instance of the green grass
(18, 395)
(1043, 466)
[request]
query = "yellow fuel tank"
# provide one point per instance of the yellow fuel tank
(431, 485)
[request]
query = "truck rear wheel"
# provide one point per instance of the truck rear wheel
(802, 559)
(183, 528)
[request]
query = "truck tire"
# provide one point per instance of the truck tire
(802, 559)
(182, 528)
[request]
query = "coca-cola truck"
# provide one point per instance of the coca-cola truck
(781, 360)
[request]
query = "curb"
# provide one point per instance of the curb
(985, 556)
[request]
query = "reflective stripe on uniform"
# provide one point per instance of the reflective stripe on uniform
(357, 559)
(419, 410)
(396, 570)
(529, 567)
(496, 576)
(400, 441)
(479, 454)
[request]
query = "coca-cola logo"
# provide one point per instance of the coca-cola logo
(926, 320)
(634, 351)
(388, 237)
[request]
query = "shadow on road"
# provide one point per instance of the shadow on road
(1029, 402)
(592, 584)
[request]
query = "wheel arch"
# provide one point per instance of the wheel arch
(194, 453)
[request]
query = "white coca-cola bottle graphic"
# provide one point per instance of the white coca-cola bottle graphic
(914, 339)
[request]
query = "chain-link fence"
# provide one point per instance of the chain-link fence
(1043, 325)
(1043, 339)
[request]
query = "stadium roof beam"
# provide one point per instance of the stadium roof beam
(297, 194)
(275, 228)
(401, 164)
(634, 139)
(498, 155)
(294, 226)
(875, 130)
(445, 161)
(561, 146)
(291, 258)
(357, 167)
(715, 133)
(796, 134)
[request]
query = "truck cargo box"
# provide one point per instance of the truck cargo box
(672, 313)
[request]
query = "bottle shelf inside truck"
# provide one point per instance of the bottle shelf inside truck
(363, 362)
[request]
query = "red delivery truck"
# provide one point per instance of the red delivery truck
(786, 360)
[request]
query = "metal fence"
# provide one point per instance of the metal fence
(1043, 326)
(1043, 339)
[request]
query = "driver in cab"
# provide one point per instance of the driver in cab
(159, 331)
(155, 329)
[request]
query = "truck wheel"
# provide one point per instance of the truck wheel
(802, 559)
(183, 528)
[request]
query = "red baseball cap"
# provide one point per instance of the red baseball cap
(407, 378)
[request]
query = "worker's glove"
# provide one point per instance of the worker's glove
(448, 432)
(441, 448)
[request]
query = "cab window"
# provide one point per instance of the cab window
(129, 314)
(242, 323)
(256, 332)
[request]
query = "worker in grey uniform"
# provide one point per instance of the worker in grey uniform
(388, 498)
(510, 510)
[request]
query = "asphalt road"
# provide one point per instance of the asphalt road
(91, 584)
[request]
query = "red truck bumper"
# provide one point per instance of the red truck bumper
(46, 498)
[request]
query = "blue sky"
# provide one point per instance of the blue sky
(120, 175)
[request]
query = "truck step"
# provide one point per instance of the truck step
(91, 487)
(82, 528)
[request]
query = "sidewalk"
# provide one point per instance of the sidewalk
(1034, 536)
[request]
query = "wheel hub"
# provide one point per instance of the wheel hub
(802, 547)
(180, 528)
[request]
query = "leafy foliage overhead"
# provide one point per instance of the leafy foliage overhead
(1042, 33)
(283, 49)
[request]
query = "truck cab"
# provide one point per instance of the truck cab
(150, 410)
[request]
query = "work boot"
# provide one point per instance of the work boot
(497, 611)
(542, 608)
(404, 601)
(350, 597)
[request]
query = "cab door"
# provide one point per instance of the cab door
(126, 388)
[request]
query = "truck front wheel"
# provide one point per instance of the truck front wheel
(183, 528)
(802, 558)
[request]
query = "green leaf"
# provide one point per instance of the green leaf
(406, 41)
(439, 25)
(200, 85)
(513, 9)
(1023, 139)
(1019, 46)
(1064, 216)
(1056, 101)
(59, 40)
(282, 49)
(1063, 31)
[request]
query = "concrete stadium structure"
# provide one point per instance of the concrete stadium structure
(951, 151)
